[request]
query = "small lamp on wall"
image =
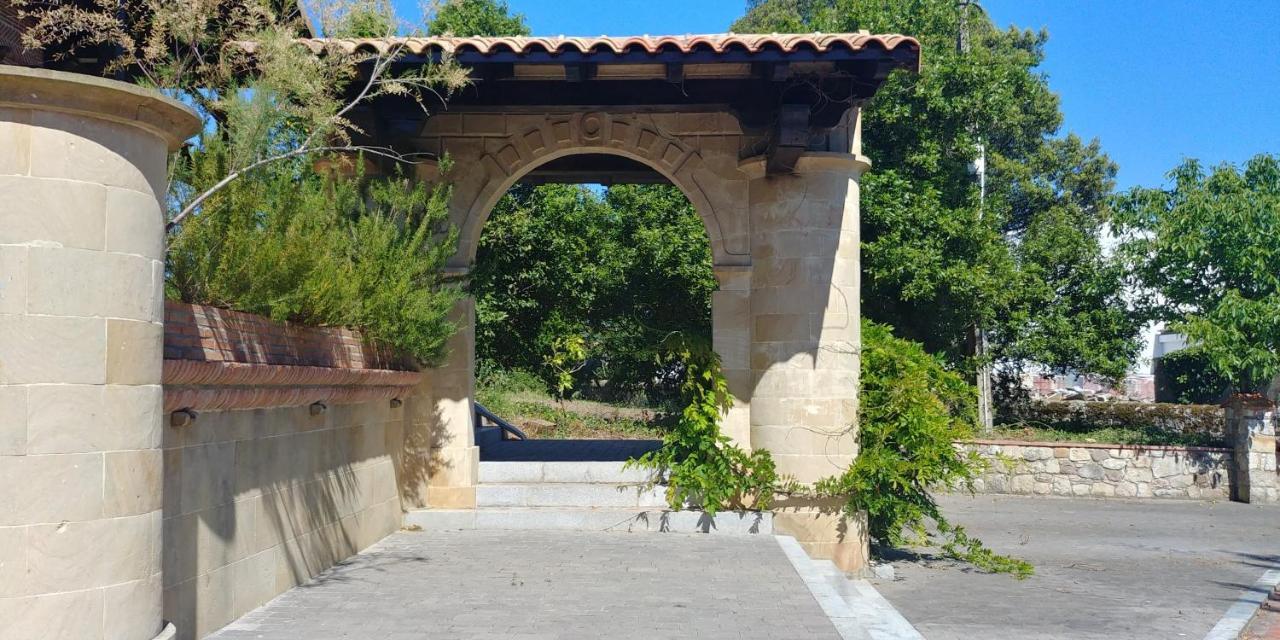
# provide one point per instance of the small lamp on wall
(396, 403)
(182, 418)
(318, 408)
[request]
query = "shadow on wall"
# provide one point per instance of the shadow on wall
(805, 319)
(419, 459)
(259, 501)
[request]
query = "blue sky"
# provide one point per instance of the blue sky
(1155, 80)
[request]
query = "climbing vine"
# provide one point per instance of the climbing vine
(912, 410)
(702, 465)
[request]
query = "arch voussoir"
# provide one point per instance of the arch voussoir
(507, 159)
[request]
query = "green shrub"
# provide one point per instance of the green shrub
(1184, 423)
(1187, 377)
(912, 408)
(297, 245)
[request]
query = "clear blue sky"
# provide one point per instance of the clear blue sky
(1155, 80)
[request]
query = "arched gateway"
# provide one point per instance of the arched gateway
(761, 133)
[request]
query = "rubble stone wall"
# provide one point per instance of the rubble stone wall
(1103, 470)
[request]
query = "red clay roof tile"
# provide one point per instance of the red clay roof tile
(717, 43)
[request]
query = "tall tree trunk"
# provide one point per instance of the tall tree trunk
(986, 405)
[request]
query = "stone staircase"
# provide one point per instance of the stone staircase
(578, 496)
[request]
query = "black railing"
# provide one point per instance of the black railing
(483, 414)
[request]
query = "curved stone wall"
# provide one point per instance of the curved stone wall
(82, 169)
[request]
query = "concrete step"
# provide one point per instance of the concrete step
(623, 520)
(561, 472)
(572, 494)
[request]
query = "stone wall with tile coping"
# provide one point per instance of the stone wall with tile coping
(1103, 470)
(258, 501)
(261, 492)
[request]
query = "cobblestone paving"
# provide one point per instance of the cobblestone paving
(509, 584)
(1105, 569)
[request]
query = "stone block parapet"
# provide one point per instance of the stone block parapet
(1102, 470)
(211, 334)
(259, 501)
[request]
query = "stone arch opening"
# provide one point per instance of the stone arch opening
(626, 215)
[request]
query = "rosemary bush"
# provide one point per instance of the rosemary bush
(299, 245)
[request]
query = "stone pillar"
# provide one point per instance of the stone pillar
(82, 171)
(731, 339)
(1251, 425)
(804, 310)
(804, 314)
(441, 463)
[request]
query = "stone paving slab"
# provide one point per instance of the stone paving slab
(1105, 569)
(534, 584)
(584, 519)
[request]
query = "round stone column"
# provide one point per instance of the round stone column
(804, 313)
(82, 172)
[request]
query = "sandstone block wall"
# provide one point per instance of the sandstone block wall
(1103, 470)
(259, 501)
(82, 169)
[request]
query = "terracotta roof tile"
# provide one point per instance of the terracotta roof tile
(715, 43)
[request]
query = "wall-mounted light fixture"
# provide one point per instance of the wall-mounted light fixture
(396, 403)
(318, 408)
(182, 418)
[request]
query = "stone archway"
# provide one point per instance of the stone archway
(498, 151)
(762, 135)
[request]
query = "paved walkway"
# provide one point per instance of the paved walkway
(476, 584)
(1114, 569)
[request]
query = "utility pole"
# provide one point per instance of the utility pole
(986, 417)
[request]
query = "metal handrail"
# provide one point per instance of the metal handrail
(483, 413)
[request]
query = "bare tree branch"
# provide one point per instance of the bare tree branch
(232, 176)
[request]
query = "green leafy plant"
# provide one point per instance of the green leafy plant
(298, 245)
(1205, 251)
(701, 465)
(1187, 377)
(1027, 261)
(568, 354)
(912, 410)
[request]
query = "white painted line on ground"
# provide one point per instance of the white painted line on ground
(1234, 621)
(856, 609)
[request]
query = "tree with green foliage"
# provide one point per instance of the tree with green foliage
(1026, 264)
(623, 271)
(465, 18)
(254, 224)
(1206, 251)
